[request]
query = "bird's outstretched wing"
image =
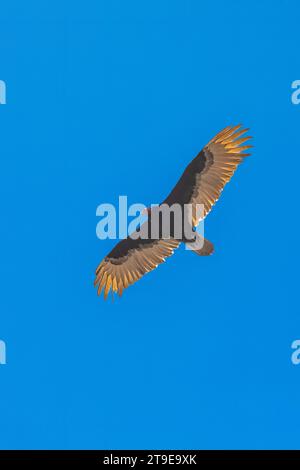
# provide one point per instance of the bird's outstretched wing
(129, 261)
(205, 177)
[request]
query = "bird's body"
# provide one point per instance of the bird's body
(200, 185)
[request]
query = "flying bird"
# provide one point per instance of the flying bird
(201, 183)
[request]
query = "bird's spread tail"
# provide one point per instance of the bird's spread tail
(201, 246)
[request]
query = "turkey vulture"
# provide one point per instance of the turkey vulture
(201, 183)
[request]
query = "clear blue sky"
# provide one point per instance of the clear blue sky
(113, 98)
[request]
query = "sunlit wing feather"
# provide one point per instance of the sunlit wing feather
(223, 155)
(119, 272)
(205, 177)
